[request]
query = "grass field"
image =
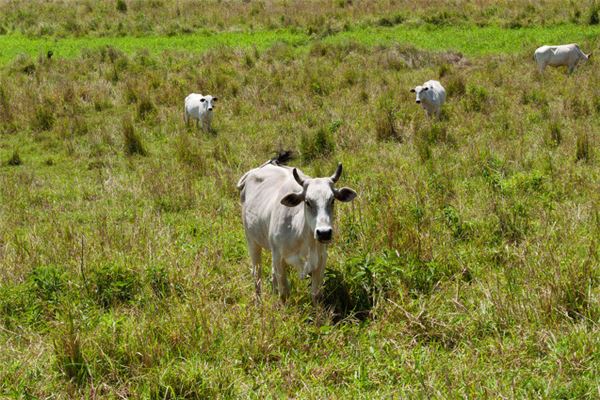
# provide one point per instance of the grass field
(470, 40)
(468, 266)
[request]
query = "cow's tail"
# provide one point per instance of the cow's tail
(282, 157)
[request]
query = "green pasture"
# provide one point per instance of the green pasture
(472, 40)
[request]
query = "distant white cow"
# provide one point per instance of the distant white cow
(568, 55)
(291, 215)
(431, 95)
(200, 108)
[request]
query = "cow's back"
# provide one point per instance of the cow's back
(261, 191)
(439, 93)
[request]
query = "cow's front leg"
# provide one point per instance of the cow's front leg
(280, 282)
(317, 278)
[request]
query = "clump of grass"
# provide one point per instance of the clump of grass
(69, 354)
(48, 282)
(594, 13)
(44, 117)
(121, 6)
(456, 85)
(583, 147)
(113, 284)
(555, 133)
(477, 98)
(158, 279)
(393, 20)
(317, 145)
(190, 152)
(5, 109)
(15, 159)
(145, 107)
(385, 121)
(133, 142)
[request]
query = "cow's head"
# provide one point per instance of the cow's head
(423, 92)
(318, 196)
(208, 102)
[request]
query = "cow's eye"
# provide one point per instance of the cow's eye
(308, 203)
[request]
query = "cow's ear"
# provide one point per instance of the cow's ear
(412, 90)
(292, 199)
(344, 194)
(202, 100)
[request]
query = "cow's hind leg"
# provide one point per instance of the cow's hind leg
(255, 256)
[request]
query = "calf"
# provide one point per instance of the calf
(431, 96)
(568, 55)
(200, 108)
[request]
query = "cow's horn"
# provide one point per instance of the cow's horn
(337, 174)
(297, 177)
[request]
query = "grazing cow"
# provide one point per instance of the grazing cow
(200, 108)
(431, 95)
(568, 55)
(291, 215)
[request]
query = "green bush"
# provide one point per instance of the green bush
(114, 284)
(15, 159)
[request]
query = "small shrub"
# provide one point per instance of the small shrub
(133, 143)
(583, 147)
(513, 221)
(15, 159)
(114, 284)
(594, 13)
(44, 117)
(121, 6)
(385, 122)
(144, 108)
(317, 145)
(460, 229)
(456, 86)
(391, 20)
(477, 98)
(48, 282)
(555, 133)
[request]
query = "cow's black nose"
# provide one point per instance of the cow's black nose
(324, 234)
(418, 101)
(210, 109)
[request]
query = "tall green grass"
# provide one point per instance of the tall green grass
(470, 40)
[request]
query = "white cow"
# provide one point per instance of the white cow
(291, 215)
(200, 108)
(568, 55)
(431, 95)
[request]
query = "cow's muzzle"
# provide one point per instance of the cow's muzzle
(324, 235)
(418, 101)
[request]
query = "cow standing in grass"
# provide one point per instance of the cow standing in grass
(566, 55)
(431, 96)
(291, 215)
(200, 108)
